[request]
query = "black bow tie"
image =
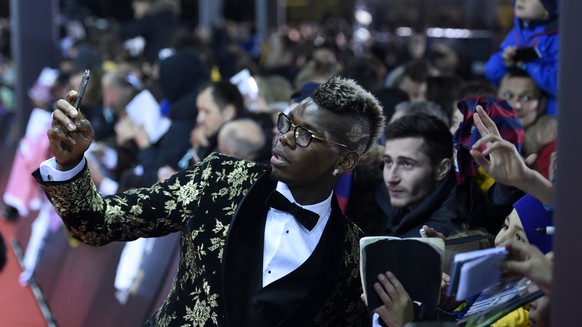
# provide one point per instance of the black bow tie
(305, 217)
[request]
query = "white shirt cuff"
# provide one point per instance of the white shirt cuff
(50, 173)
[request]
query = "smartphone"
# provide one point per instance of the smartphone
(526, 54)
(82, 87)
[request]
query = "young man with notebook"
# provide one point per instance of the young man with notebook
(420, 186)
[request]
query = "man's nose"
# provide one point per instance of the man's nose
(287, 138)
(393, 175)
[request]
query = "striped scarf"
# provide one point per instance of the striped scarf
(467, 134)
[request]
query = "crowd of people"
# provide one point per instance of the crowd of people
(272, 181)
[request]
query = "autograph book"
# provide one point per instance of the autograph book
(416, 262)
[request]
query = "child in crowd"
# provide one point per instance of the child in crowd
(536, 27)
(525, 224)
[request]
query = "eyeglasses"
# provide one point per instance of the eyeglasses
(302, 135)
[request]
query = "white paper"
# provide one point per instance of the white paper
(48, 76)
(480, 273)
(144, 110)
(460, 257)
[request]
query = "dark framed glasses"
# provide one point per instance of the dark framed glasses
(302, 136)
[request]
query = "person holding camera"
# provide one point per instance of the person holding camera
(532, 45)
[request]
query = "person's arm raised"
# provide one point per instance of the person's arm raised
(70, 134)
(501, 160)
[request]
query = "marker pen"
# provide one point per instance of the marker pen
(548, 230)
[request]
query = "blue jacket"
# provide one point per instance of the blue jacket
(544, 71)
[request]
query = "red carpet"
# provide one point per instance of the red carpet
(18, 306)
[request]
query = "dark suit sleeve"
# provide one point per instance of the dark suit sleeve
(158, 210)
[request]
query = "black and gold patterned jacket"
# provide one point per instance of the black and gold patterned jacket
(217, 206)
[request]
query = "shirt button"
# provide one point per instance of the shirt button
(287, 232)
(269, 271)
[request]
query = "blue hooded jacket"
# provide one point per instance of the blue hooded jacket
(543, 35)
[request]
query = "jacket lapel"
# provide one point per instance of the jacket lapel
(325, 281)
(244, 244)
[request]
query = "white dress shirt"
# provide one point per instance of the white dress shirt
(287, 243)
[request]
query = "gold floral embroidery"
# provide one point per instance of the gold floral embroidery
(217, 243)
(194, 233)
(170, 206)
(61, 195)
(231, 209)
(187, 193)
(163, 320)
(199, 315)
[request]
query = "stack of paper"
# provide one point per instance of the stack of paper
(474, 271)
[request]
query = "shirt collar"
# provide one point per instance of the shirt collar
(320, 208)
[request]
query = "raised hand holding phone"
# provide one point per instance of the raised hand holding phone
(70, 135)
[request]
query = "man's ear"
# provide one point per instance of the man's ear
(348, 161)
(229, 112)
(443, 169)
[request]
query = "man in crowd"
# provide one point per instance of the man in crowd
(217, 104)
(418, 176)
(541, 130)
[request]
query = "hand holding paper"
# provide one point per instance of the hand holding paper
(398, 308)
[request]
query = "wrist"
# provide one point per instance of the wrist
(538, 186)
(68, 165)
(529, 178)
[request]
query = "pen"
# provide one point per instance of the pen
(548, 230)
